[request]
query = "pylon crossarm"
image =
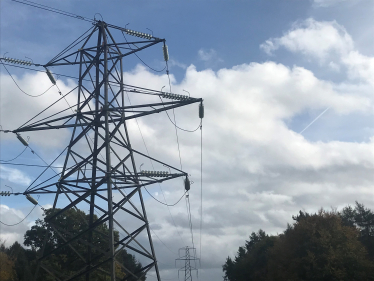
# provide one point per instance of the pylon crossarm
(43, 189)
(69, 59)
(47, 125)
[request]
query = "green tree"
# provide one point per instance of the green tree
(24, 261)
(319, 247)
(7, 271)
(67, 260)
(363, 219)
(250, 263)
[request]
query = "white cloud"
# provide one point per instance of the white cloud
(313, 38)
(14, 175)
(257, 171)
(17, 108)
(11, 216)
(209, 55)
(329, 43)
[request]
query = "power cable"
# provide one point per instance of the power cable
(169, 205)
(1, 160)
(189, 131)
(162, 242)
(176, 131)
(54, 10)
(162, 191)
(72, 77)
(139, 57)
(201, 183)
(20, 87)
(31, 165)
(180, 160)
(48, 167)
(145, 145)
(21, 220)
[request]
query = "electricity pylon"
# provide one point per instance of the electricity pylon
(99, 170)
(187, 258)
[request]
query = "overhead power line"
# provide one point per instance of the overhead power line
(33, 96)
(20, 220)
(53, 10)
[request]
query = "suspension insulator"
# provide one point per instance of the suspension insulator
(50, 76)
(201, 110)
(187, 184)
(21, 139)
(5, 193)
(165, 51)
(31, 199)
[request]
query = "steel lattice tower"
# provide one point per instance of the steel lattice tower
(187, 258)
(99, 171)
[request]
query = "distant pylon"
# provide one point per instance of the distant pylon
(188, 257)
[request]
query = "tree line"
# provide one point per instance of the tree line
(324, 246)
(18, 263)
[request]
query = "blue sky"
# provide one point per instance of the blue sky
(266, 70)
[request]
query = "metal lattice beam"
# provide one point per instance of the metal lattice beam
(100, 160)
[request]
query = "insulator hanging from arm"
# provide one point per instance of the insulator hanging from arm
(21, 139)
(166, 53)
(187, 184)
(31, 199)
(201, 110)
(50, 76)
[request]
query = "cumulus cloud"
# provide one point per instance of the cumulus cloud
(313, 38)
(264, 170)
(329, 43)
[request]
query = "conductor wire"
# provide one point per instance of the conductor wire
(162, 191)
(140, 58)
(20, 87)
(21, 220)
